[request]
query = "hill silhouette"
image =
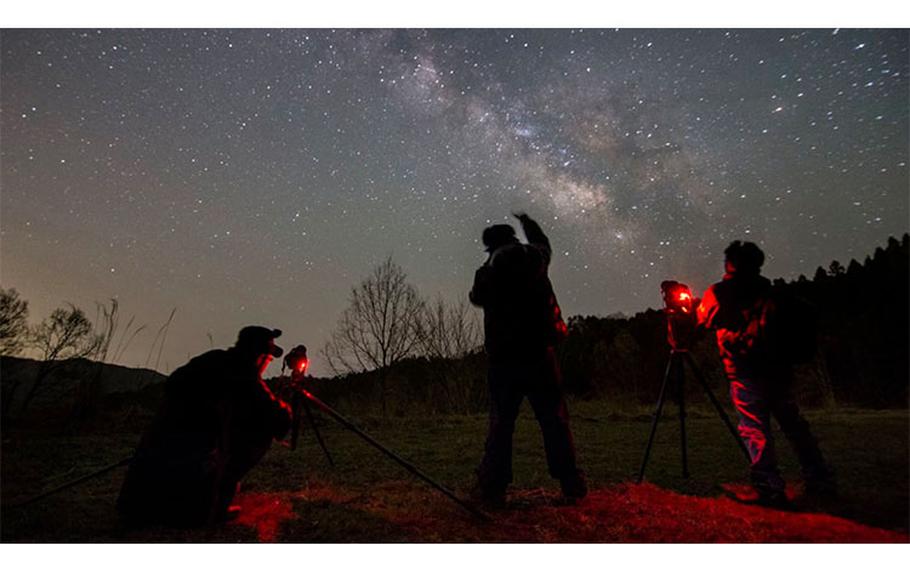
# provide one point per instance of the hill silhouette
(77, 388)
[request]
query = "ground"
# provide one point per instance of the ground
(296, 497)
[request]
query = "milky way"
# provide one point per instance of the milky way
(253, 176)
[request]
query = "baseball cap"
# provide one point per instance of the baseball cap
(495, 236)
(259, 340)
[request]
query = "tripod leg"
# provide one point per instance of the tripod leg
(660, 405)
(398, 459)
(681, 400)
(720, 409)
(295, 422)
(312, 422)
(76, 481)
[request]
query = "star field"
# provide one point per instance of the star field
(255, 176)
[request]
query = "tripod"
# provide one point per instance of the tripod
(389, 453)
(299, 401)
(676, 372)
(302, 399)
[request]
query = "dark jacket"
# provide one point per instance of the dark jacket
(213, 399)
(519, 307)
(738, 309)
(216, 406)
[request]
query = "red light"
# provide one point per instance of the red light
(684, 296)
(302, 365)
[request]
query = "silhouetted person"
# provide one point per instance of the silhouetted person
(217, 421)
(743, 312)
(522, 324)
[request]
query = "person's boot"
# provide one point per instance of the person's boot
(773, 499)
(494, 498)
(224, 511)
(574, 487)
(231, 513)
(821, 486)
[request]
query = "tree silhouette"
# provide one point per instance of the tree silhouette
(13, 338)
(447, 331)
(854, 268)
(379, 327)
(446, 334)
(835, 269)
(13, 322)
(862, 348)
(65, 335)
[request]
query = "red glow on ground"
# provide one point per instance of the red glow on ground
(627, 512)
(265, 512)
(648, 513)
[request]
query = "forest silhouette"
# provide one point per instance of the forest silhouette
(862, 359)
(863, 333)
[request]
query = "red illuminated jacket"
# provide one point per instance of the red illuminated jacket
(738, 309)
(519, 306)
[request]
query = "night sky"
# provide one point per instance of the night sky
(254, 177)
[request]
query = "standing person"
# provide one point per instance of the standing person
(522, 324)
(217, 421)
(746, 317)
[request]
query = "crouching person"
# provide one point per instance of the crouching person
(217, 421)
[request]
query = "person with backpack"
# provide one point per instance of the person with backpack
(755, 327)
(522, 325)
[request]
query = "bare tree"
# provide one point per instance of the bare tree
(448, 331)
(446, 334)
(112, 343)
(64, 336)
(379, 326)
(13, 322)
(13, 338)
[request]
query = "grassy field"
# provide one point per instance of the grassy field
(297, 497)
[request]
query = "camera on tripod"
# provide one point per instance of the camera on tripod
(677, 297)
(679, 306)
(296, 360)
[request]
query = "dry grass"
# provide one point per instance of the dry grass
(296, 497)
